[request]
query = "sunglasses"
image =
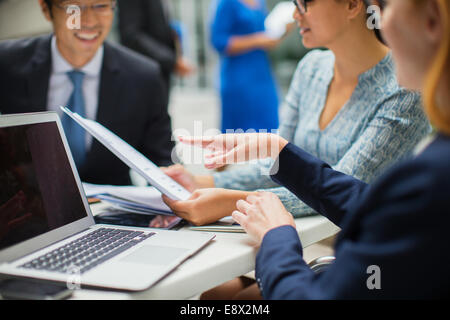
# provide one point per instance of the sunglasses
(301, 5)
(102, 7)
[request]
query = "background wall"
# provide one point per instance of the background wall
(21, 18)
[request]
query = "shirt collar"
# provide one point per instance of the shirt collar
(60, 65)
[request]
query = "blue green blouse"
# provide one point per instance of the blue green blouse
(378, 125)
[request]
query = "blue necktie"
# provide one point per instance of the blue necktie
(76, 135)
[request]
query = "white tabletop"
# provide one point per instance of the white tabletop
(228, 256)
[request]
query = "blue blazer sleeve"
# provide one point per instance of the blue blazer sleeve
(329, 192)
(221, 25)
(392, 245)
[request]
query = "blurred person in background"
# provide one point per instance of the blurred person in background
(146, 27)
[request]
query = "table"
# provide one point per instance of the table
(228, 256)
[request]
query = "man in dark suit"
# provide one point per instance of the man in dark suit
(120, 89)
(144, 26)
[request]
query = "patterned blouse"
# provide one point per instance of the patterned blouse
(378, 125)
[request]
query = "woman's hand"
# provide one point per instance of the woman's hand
(235, 148)
(260, 213)
(190, 182)
(206, 205)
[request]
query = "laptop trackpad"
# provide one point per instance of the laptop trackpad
(155, 255)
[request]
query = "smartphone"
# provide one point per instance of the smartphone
(21, 289)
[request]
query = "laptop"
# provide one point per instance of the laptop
(47, 230)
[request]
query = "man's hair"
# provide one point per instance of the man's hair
(49, 3)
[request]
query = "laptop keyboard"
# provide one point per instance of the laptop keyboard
(88, 251)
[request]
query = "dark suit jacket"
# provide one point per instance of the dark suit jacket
(394, 232)
(132, 102)
(144, 28)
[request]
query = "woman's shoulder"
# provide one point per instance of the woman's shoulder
(380, 86)
(382, 80)
(316, 60)
(315, 64)
(414, 190)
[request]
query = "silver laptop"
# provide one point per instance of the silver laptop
(47, 230)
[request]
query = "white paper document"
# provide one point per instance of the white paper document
(148, 201)
(133, 158)
(279, 18)
(145, 200)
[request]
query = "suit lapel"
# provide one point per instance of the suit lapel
(40, 76)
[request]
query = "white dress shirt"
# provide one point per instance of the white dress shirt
(60, 86)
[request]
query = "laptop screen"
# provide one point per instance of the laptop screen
(38, 190)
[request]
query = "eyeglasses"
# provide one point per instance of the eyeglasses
(301, 5)
(103, 8)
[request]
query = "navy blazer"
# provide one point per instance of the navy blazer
(394, 233)
(132, 102)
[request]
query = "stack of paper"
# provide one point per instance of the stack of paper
(142, 200)
(148, 201)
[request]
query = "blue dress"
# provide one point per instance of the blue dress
(248, 91)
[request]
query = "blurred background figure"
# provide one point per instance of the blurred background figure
(248, 90)
(146, 26)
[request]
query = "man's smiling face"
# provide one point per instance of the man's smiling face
(78, 44)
